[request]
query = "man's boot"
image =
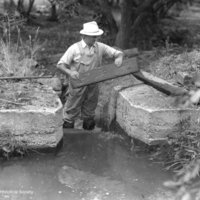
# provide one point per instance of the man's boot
(88, 124)
(68, 124)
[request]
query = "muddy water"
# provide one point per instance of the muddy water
(88, 167)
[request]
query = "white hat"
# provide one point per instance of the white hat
(91, 29)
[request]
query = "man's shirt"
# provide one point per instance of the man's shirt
(73, 54)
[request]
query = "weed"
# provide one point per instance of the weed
(167, 66)
(17, 58)
(10, 145)
(182, 156)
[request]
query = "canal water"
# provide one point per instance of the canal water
(98, 166)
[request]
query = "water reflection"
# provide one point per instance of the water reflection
(88, 167)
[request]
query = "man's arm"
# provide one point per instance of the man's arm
(112, 53)
(64, 68)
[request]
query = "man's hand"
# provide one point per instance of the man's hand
(74, 74)
(119, 60)
(66, 70)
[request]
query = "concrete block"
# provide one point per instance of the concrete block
(112, 104)
(150, 116)
(35, 125)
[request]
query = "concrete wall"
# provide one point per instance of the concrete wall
(32, 126)
(150, 116)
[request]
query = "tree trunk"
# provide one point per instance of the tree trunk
(124, 34)
(54, 16)
(31, 2)
(20, 7)
(106, 10)
(22, 10)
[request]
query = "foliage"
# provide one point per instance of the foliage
(10, 145)
(66, 9)
(182, 153)
(16, 58)
(145, 17)
(168, 65)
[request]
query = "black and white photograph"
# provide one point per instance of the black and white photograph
(99, 99)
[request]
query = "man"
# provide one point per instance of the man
(80, 57)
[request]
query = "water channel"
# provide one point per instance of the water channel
(98, 166)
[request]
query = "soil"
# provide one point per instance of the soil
(26, 93)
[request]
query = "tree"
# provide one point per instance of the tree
(140, 17)
(54, 16)
(66, 9)
(21, 8)
(124, 34)
(105, 9)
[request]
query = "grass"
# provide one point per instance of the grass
(182, 156)
(11, 145)
(17, 56)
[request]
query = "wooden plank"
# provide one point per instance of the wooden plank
(25, 77)
(159, 84)
(106, 72)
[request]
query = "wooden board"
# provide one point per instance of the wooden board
(106, 72)
(158, 83)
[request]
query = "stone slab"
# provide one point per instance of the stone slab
(38, 125)
(150, 116)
